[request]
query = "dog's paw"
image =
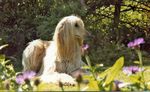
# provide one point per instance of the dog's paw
(67, 80)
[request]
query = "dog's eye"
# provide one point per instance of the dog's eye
(76, 25)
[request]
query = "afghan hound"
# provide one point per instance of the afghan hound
(56, 60)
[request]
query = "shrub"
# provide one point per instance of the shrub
(107, 53)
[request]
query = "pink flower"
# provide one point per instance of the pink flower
(20, 79)
(136, 42)
(29, 74)
(85, 46)
(131, 70)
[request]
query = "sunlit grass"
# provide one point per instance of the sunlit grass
(92, 86)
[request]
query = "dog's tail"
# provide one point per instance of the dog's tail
(33, 55)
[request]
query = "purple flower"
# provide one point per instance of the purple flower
(120, 84)
(85, 47)
(20, 79)
(139, 41)
(117, 83)
(29, 74)
(131, 70)
(136, 42)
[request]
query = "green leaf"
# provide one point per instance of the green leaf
(134, 78)
(115, 69)
(85, 67)
(2, 58)
(103, 74)
(88, 61)
(137, 62)
(93, 85)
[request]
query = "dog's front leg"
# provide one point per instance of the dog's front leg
(49, 67)
(49, 73)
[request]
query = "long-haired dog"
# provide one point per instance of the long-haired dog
(55, 60)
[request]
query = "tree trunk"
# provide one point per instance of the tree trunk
(117, 19)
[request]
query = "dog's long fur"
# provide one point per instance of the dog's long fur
(54, 60)
(33, 55)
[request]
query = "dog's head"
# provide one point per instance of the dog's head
(69, 35)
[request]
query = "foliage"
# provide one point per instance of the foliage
(22, 21)
(109, 52)
(105, 81)
(97, 80)
(112, 24)
(132, 23)
(113, 72)
(6, 74)
(107, 31)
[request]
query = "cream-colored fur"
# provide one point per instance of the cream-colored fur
(60, 57)
(33, 55)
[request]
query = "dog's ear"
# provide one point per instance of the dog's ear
(60, 35)
(65, 33)
(61, 38)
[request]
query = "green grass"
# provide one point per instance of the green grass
(92, 86)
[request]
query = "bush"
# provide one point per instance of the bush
(107, 53)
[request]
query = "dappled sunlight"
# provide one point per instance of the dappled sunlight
(111, 50)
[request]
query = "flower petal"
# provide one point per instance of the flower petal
(29, 74)
(20, 79)
(131, 44)
(139, 41)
